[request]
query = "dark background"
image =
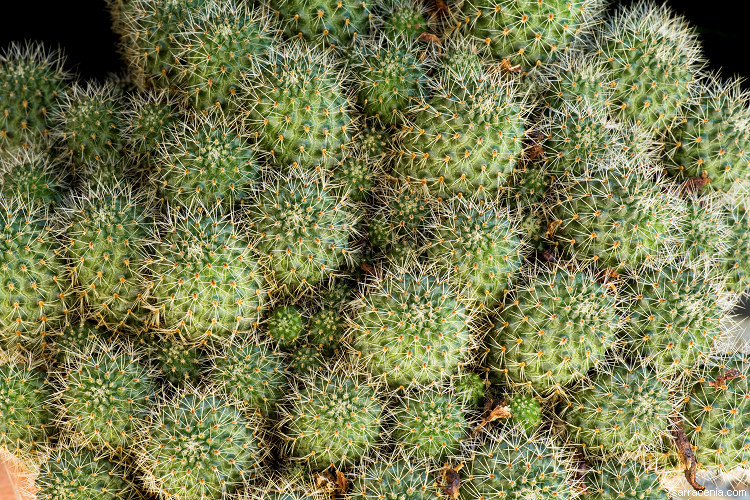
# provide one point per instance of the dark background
(82, 29)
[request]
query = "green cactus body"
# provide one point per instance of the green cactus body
(392, 77)
(90, 125)
(712, 141)
(207, 285)
(555, 329)
(301, 226)
(466, 140)
(525, 412)
(298, 107)
(104, 396)
(32, 83)
(331, 23)
(24, 414)
(718, 414)
(220, 49)
(411, 327)
(355, 175)
(32, 174)
(285, 325)
(736, 268)
(82, 474)
(205, 162)
(325, 329)
(149, 116)
(177, 363)
(336, 293)
(197, 446)
(331, 418)
(252, 374)
(622, 409)
(400, 220)
(617, 478)
(653, 57)
(617, 219)
(33, 299)
(305, 359)
(481, 248)
(469, 387)
(396, 478)
(704, 232)
(528, 33)
(374, 140)
(107, 230)
(292, 485)
(404, 19)
(73, 339)
(578, 80)
(429, 424)
(514, 467)
(675, 317)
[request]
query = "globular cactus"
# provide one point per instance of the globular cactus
(326, 329)
(398, 226)
(711, 141)
(510, 465)
(411, 326)
(469, 387)
(198, 446)
(528, 33)
(32, 84)
(34, 300)
(106, 230)
(206, 284)
(204, 161)
(253, 374)
(737, 264)
(285, 324)
(304, 359)
(393, 476)
(466, 139)
(324, 22)
(621, 478)
(717, 413)
(302, 227)
(480, 245)
(332, 417)
(104, 394)
(25, 414)
(74, 338)
(556, 327)
(392, 77)
(173, 361)
(298, 106)
(79, 473)
(429, 424)
(623, 408)
(525, 412)
(355, 174)
(292, 484)
(34, 174)
(653, 57)
(404, 19)
(220, 45)
(149, 117)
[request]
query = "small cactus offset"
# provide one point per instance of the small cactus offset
(376, 250)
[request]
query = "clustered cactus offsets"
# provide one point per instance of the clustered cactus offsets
(387, 249)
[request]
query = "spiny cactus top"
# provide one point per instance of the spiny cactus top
(392, 77)
(221, 43)
(514, 467)
(711, 142)
(623, 408)
(198, 446)
(34, 295)
(253, 374)
(326, 328)
(480, 246)
(675, 317)
(104, 395)
(106, 229)
(24, 411)
(738, 262)
(554, 329)
(393, 477)
(718, 413)
(331, 417)
(301, 225)
(149, 116)
(298, 106)
(34, 174)
(528, 33)
(411, 326)
(403, 19)
(324, 22)
(32, 82)
(400, 221)
(653, 57)
(207, 283)
(83, 474)
(621, 478)
(204, 161)
(466, 140)
(73, 339)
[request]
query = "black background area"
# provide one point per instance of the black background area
(82, 29)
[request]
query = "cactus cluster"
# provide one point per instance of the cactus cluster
(375, 249)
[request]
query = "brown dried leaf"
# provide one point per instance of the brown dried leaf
(506, 66)
(686, 453)
(451, 482)
(724, 378)
(429, 38)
